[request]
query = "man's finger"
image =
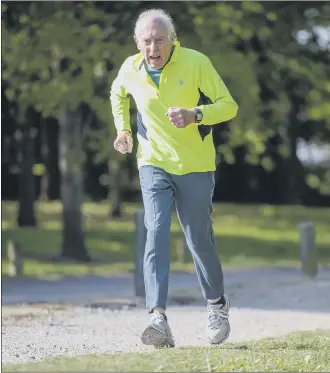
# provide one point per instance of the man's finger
(129, 143)
(172, 111)
(120, 146)
(180, 125)
(122, 150)
(175, 117)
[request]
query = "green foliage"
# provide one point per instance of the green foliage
(63, 54)
(281, 85)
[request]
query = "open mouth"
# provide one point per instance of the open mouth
(154, 58)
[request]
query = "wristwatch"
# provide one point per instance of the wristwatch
(198, 116)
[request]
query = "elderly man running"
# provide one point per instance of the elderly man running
(179, 96)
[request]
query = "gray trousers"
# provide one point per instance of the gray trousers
(192, 194)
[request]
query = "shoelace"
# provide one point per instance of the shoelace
(158, 316)
(215, 317)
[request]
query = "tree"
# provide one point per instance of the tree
(284, 72)
(71, 157)
(26, 187)
(65, 56)
(52, 62)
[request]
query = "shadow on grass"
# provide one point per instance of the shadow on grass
(247, 237)
(117, 252)
(118, 246)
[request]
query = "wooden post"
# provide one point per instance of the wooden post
(308, 250)
(140, 241)
(15, 259)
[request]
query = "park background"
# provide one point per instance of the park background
(69, 200)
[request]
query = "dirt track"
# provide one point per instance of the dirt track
(95, 316)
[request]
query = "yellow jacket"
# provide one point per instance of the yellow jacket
(188, 80)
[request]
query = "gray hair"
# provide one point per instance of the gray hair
(158, 14)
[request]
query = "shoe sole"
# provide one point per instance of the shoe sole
(154, 337)
(222, 340)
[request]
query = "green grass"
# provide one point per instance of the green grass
(296, 352)
(247, 236)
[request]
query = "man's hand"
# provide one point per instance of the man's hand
(181, 117)
(124, 142)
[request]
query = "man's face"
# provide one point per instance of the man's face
(154, 44)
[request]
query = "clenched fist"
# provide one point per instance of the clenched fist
(124, 142)
(181, 117)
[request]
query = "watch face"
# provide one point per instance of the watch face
(199, 116)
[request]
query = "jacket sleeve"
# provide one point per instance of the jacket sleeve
(120, 102)
(222, 107)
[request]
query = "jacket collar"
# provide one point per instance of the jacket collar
(140, 59)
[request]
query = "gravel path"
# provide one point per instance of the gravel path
(263, 306)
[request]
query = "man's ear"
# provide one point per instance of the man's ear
(137, 42)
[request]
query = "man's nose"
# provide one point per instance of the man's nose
(153, 45)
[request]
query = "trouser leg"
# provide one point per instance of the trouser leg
(194, 192)
(158, 197)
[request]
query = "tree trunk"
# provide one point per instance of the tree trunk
(26, 187)
(52, 159)
(294, 166)
(70, 162)
(44, 156)
(115, 188)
